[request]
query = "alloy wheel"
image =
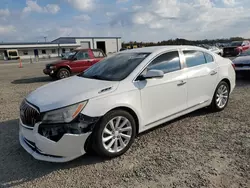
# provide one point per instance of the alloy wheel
(222, 96)
(117, 134)
(64, 74)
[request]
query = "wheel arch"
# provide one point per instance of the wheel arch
(227, 81)
(64, 67)
(131, 112)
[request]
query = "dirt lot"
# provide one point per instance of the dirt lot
(198, 150)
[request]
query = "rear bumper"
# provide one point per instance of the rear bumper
(69, 147)
(242, 69)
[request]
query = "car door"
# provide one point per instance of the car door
(82, 62)
(202, 73)
(165, 96)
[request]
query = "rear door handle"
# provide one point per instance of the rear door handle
(181, 83)
(213, 73)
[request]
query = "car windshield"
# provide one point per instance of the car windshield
(245, 53)
(115, 68)
(69, 55)
(236, 43)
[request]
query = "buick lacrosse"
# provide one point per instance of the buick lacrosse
(107, 105)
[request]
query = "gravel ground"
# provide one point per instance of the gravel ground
(198, 150)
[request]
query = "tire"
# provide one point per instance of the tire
(53, 76)
(223, 90)
(63, 73)
(99, 144)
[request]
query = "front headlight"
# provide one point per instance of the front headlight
(64, 115)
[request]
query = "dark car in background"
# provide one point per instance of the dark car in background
(78, 61)
(242, 63)
(236, 48)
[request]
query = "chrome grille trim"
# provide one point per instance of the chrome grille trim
(29, 114)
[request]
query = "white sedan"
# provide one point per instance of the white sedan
(105, 107)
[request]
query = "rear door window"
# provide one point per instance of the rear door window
(194, 58)
(98, 54)
(209, 58)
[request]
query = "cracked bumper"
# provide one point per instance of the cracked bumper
(69, 147)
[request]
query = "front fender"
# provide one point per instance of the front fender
(99, 106)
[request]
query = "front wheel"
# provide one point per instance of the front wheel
(115, 134)
(221, 96)
(63, 73)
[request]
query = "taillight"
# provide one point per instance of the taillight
(233, 65)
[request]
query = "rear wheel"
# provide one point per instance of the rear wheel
(115, 134)
(221, 96)
(63, 73)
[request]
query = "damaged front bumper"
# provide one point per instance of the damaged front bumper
(45, 145)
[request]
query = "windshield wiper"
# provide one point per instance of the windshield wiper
(97, 77)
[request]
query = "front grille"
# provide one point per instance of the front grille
(29, 114)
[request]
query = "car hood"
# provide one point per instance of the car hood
(58, 62)
(68, 91)
(242, 60)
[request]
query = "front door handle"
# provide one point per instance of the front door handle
(213, 73)
(181, 83)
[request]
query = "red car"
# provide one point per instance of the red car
(78, 61)
(236, 48)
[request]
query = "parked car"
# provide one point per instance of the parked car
(216, 50)
(78, 61)
(122, 49)
(11, 54)
(242, 63)
(107, 105)
(236, 48)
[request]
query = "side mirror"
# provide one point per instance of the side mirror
(152, 74)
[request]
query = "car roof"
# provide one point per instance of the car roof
(81, 49)
(161, 48)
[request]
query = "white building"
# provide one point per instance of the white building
(58, 46)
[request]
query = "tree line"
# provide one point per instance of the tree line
(179, 41)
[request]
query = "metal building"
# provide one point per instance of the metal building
(58, 46)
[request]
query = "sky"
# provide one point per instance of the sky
(133, 20)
